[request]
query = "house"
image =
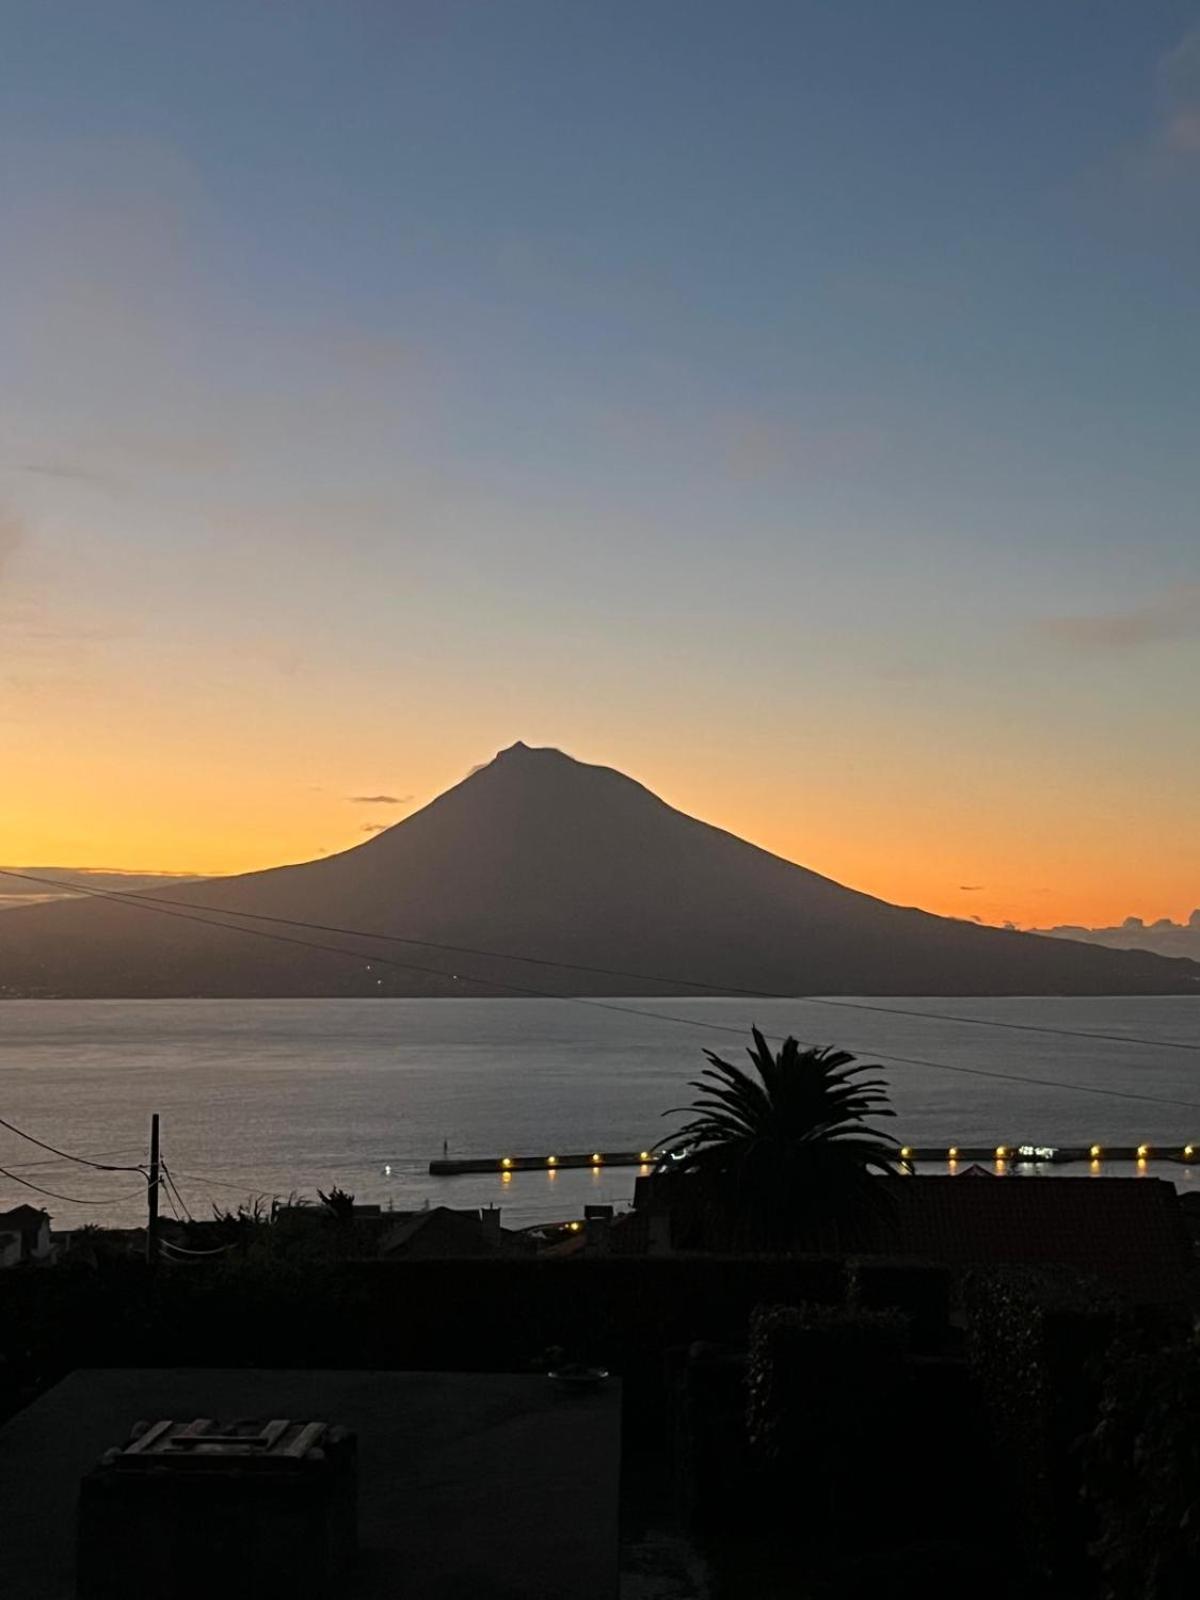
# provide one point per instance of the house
(442, 1232)
(24, 1236)
(433, 1231)
(645, 1231)
(1127, 1232)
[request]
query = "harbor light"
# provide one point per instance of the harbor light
(574, 1226)
(551, 1161)
(596, 1158)
(906, 1153)
(1096, 1152)
(645, 1155)
(952, 1153)
(1189, 1150)
(1001, 1152)
(1143, 1151)
(506, 1161)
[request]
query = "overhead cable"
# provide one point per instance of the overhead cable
(147, 900)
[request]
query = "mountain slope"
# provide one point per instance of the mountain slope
(540, 855)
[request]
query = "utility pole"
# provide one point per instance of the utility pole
(152, 1196)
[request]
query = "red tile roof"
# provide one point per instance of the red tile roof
(1128, 1231)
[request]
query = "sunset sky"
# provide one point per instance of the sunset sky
(794, 405)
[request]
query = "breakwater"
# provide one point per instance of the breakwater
(953, 1157)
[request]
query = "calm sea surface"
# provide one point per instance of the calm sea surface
(275, 1096)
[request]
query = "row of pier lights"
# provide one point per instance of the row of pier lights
(597, 1159)
(1025, 1153)
(644, 1157)
(1002, 1154)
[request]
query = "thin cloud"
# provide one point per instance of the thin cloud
(68, 472)
(1167, 150)
(970, 888)
(380, 799)
(1163, 937)
(1172, 615)
(377, 827)
(12, 536)
(1179, 77)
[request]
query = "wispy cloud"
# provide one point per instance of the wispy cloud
(380, 799)
(749, 444)
(1164, 937)
(1166, 151)
(68, 472)
(1175, 614)
(377, 827)
(970, 888)
(1179, 76)
(12, 536)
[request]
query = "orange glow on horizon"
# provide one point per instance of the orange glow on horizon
(153, 797)
(311, 503)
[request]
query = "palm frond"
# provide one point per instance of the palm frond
(787, 1149)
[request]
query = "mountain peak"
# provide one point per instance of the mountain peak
(520, 751)
(523, 771)
(539, 856)
(528, 756)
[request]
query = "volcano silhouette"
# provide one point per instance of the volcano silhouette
(540, 856)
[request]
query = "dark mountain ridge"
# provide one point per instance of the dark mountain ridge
(537, 854)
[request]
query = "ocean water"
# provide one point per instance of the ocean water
(273, 1097)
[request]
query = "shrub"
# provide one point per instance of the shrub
(1036, 1341)
(1141, 1470)
(826, 1384)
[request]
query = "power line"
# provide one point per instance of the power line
(175, 1211)
(178, 1249)
(121, 895)
(84, 1161)
(368, 957)
(733, 990)
(147, 903)
(71, 1199)
(373, 958)
(981, 1072)
(174, 1198)
(32, 1166)
(173, 1189)
(223, 1183)
(1039, 1083)
(1015, 1027)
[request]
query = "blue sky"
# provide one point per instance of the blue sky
(704, 386)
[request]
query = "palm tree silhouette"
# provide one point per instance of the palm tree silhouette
(781, 1158)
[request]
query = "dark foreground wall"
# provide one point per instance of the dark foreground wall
(431, 1315)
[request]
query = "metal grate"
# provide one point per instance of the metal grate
(203, 1442)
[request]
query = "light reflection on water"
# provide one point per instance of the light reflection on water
(277, 1096)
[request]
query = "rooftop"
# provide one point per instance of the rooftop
(1129, 1232)
(470, 1484)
